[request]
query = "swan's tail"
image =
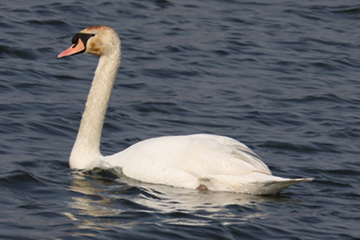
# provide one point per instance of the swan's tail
(255, 183)
(276, 186)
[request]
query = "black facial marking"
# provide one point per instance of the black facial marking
(84, 38)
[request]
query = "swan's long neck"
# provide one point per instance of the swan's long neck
(86, 150)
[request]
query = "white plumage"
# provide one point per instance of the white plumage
(199, 161)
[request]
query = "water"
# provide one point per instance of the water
(280, 76)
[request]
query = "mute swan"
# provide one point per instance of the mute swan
(199, 161)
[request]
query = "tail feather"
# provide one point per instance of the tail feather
(275, 186)
(255, 183)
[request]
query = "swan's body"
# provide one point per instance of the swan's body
(200, 161)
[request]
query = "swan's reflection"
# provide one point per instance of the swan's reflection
(105, 199)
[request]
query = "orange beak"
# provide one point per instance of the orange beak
(74, 49)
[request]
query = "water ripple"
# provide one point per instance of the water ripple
(282, 77)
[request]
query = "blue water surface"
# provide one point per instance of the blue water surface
(280, 76)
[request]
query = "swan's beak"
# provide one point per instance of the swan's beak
(76, 48)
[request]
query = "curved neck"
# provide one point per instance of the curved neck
(86, 150)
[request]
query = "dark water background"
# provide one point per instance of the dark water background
(280, 76)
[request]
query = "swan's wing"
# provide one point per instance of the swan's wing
(220, 163)
(242, 152)
(218, 155)
(201, 155)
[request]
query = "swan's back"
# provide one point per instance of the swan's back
(199, 154)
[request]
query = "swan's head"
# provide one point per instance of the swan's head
(97, 40)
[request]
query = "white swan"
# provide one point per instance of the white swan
(200, 161)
